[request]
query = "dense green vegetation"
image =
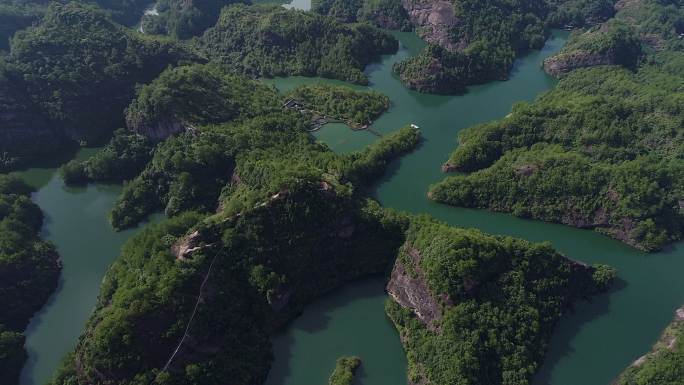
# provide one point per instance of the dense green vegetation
(344, 371)
(242, 163)
(657, 22)
(343, 10)
(369, 164)
(638, 28)
(26, 131)
(29, 269)
(272, 41)
(634, 201)
(121, 159)
(184, 19)
(263, 219)
(89, 57)
(577, 13)
(664, 365)
(196, 95)
(487, 36)
(70, 78)
(343, 103)
(292, 224)
(493, 32)
(265, 264)
(612, 43)
(388, 14)
(19, 14)
(613, 36)
(497, 300)
(282, 220)
(602, 150)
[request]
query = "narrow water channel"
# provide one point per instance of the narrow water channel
(76, 222)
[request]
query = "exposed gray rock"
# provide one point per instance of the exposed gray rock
(186, 246)
(566, 62)
(158, 131)
(412, 292)
(434, 20)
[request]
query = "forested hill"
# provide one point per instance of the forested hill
(262, 218)
(389, 14)
(639, 29)
(475, 41)
(271, 220)
(274, 217)
(19, 14)
(273, 41)
(603, 150)
(477, 309)
(69, 79)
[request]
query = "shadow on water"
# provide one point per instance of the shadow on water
(347, 322)
(37, 321)
(361, 375)
(570, 325)
(280, 370)
(315, 319)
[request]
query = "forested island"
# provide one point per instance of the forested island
(600, 151)
(358, 109)
(477, 309)
(345, 369)
(262, 219)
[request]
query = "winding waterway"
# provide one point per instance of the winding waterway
(76, 222)
(590, 346)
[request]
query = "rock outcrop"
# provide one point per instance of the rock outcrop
(565, 62)
(157, 131)
(411, 291)
(433, 21)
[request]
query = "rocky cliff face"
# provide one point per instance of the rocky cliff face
(157, 131)
(614, 42)
(563, 63)
(411, 291)
(433, 21)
